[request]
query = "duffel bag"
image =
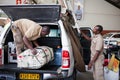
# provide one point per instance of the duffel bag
(27, 60)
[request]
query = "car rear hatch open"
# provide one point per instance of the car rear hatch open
(37, 13)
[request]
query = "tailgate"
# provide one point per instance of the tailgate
(21, 74)
(37, 13)
(44, 69)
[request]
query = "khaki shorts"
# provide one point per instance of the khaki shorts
(17, 36)
(98, 71)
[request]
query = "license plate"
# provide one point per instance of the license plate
(29, 76)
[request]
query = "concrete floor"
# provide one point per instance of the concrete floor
(89, 76)
(85, 75)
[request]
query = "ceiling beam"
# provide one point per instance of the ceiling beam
(116, 3)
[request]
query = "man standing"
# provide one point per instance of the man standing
(97, 57)
(78, 13)
(26, 31)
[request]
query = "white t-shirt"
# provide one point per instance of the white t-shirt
(78, 14)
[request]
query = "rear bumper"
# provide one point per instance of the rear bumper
(4, 75)
(14, 68)
(12, 76)
(10, 71)
(63, 74)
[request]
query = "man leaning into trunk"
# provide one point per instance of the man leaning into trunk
(26, 31)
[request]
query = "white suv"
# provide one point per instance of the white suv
(111, 37)
(61, 68)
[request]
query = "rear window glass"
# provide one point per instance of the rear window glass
(54, 33)
(107, 35)
(116, 36)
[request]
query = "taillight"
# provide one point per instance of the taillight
(65, 59)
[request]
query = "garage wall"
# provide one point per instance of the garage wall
(101, 12)
(7, 1)
(95, 12)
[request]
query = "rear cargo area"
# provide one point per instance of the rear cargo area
(53, 40)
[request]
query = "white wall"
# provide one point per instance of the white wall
(100, 12)
(7, 1)
(95, 12)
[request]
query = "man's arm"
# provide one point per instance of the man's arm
(36, 43)
(85, 36)
(93, 60)
(29, 45)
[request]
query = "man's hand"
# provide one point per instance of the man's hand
(85, 36)
(89, 66)
(34, 51)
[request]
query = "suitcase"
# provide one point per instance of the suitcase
(27, 60)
